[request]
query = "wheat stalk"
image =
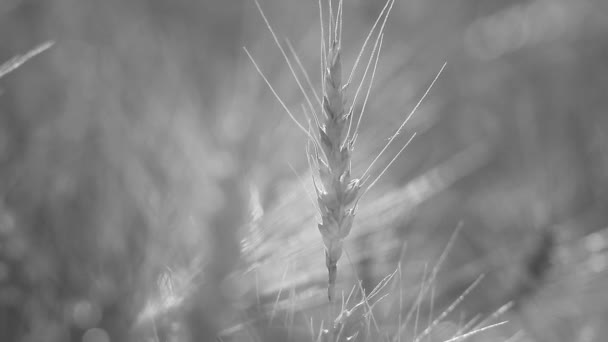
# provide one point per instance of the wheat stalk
(338, 191)
(334, 136)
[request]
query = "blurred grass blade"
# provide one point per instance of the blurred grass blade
(17, 61)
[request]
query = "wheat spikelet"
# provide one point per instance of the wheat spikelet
(338, 192)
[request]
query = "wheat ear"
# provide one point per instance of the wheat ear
(338, 191)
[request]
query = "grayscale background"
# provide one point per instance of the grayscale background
(153, 189)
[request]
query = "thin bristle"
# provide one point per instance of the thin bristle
(330, 19)
(389, 164)
(17, 61)
(323, 47)
(450, 308)
(418, 304)
(388, 5)
(474, 332)
(295, 172)
(339, 21)
(448, 247)
(382, 284)
(288, 61)
(306, 76)
(433, 275)
(500, 312)
(276, 95)
(407, 119)
(375, 55)
(369, 88)
(365, 298)
(276, 303)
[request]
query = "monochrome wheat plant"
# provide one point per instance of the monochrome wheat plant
(338, 190)
(334, 124)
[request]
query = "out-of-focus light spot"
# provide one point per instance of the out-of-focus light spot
(595, 243)
(597, 263)
(7, 222)
(95, 335)
(256, 211)
(233, 126)
(588, 333)
(222, 164)
(521, 25)
(85, 314)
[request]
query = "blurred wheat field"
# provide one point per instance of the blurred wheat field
(153, 189)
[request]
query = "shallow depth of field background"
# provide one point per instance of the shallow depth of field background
(148, 184)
